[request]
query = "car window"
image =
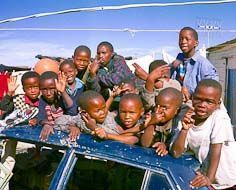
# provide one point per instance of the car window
(153, 181)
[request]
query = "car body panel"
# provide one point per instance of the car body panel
(178, 172)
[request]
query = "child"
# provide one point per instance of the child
(158, 133)
(23, 107)
(93, 113)
(208, 132)
(130, 113)
(74, 85)
(190, 67)
(51, 104)
(108, 70)
(81, 59)
(157, 80)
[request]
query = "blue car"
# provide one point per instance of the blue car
(160, 173)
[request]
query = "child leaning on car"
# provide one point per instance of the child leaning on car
(207, 131)
(54, 102)
(21, 108)
(159, 130)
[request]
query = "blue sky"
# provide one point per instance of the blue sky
(20, 47)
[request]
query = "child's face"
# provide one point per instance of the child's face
(48, 90)
(130, 112)
(31, 88)
(166, 106)
(104, 54)
(70, 73)
(187, 42)
(97, 109)
(81, 60)
(205, 101)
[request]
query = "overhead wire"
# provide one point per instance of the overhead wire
(118, 7)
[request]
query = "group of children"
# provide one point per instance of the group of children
(104, 98)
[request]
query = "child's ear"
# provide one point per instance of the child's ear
(196, 43)
(218, 106)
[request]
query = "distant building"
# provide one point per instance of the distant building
(223, 56)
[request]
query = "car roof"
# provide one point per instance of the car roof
(181, 169)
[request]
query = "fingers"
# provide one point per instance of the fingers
(100, 132)
(136, 66)
(46, 131)
(200, 180)
(160, 148)
(74, 133)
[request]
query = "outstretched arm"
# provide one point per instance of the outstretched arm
(101, 133)
(200, 179)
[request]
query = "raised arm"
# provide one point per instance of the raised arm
(61, 87)
(178, 146)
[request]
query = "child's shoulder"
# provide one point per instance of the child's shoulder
(220, 113)
(79, 83)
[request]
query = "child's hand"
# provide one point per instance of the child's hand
(93, 68)
(100, 132)
(200, 180)
(188, 121)
(89, 122)
(116, 91)
(33, 122)
(140, 72)
(61, 82)
(74, 132)
(12, 85)
(46, 131)
(160, 149)
(186, 94)
(148, 117)
(159, 72)
(157, 116)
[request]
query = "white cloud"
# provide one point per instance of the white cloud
(15, 52)
(140, 52)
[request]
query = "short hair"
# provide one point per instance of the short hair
(86, 96)
(48, 75)
(133, 97)
(209, 83)
(29, 74)
(107, 44)
(194, 32)
(82, 48)
(156, 63)
(173, 93)
(67, 62)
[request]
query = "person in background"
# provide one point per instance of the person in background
(107, 70)
(190, 67)
(81, 58)
(74, 86)
(157, 80)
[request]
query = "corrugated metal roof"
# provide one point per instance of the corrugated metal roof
(221, 46)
